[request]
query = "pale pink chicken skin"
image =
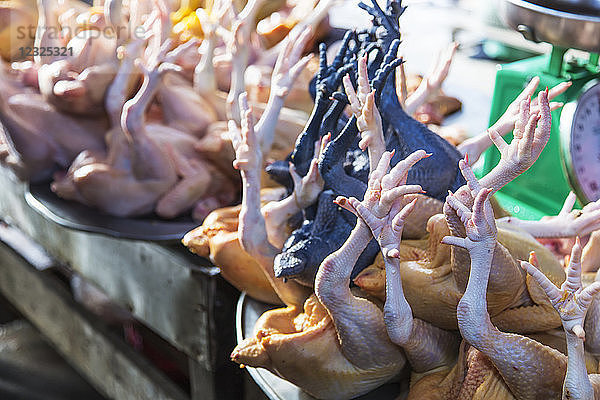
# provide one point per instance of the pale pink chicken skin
(387, 228)
(280, 125)
(124, 85)
(475, 146)
(252, 229)
(443, 274)
(201, 178)
(431, 85)
(203, 186)
(38, 137)
(558, 233)
(426, 347)
(592, 323)
(77, 82)
(161, 144)
(567, 224)
(591, 253)
(531, 133)
(117, 151)
(572, 301)
(200, 185)
(383, 211)
(333, 281)
(362, 346)
(144, 174)
(183, 108)
(287, 124)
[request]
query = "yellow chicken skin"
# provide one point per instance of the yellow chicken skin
(302, 346)
(217, 239)
(337, 348)
(430, 275)
(473, 377)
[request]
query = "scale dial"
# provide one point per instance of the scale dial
(580, 143)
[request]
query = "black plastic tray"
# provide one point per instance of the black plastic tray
(80, 217)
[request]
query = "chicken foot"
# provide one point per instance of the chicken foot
(252, 229)
(359, 323)
(530, 369)
(476, 145)
(432, 83)
(572, 301)
(426, 346)
(568, 223)
(239, 48)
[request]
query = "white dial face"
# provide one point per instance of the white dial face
(585, 143)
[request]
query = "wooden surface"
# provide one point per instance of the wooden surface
(112, 367)
(163, 286)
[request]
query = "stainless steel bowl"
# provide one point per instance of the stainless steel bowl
(582, 7)
(551, 23)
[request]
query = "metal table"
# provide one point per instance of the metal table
(166, 288)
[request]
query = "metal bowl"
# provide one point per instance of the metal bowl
(276, 388)
(577, 29)
(581, 7)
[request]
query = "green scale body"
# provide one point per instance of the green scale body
(543, 188)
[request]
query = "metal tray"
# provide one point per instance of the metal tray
(584, 7)
(560, 28)
(276, 388)
(80, 217)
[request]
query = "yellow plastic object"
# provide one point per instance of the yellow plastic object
(86, 21)
(187, 7)
(189, 27)
(186, 24)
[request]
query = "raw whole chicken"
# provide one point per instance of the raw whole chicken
(75, 83)
(165, 150)
(339, 343)
(36, 137)
(136, 171)
(339, 335)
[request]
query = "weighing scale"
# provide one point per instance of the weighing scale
(571, 159)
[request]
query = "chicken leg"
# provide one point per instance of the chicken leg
(426, 346)
(530, 369)
(132, 189)
(572, 301)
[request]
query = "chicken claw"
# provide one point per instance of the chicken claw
(308, 188)
(475, 146)
(571, 300)
(289, 64)
(568, 222)
(432, 83)
(368, 119)
(247, 152)
(481, 234)
(385, 189)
